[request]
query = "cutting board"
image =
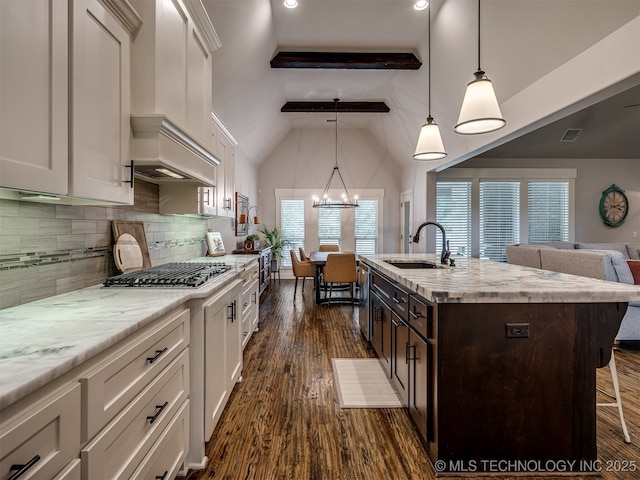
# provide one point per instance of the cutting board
(127, 254)
(136, 230)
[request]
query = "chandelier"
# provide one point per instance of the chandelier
(345, 201)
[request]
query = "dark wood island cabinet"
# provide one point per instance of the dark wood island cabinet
(494, 387)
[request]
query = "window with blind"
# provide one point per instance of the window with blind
(548, 211)
(291, 227)
(329, 226)
(366, 227)
(454, 214)
(499, 218)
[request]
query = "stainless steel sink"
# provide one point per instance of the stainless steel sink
(412, 264)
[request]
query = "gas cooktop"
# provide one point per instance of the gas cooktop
(176, 274)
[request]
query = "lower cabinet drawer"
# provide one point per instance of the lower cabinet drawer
(43, 438)
(113, 384)
(71, 472)
(121, 446)
(170, 452)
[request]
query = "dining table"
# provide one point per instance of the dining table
(319, 260)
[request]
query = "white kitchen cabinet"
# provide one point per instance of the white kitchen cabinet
(249, 304)
(34, 97)
(41, 437)
(225, 172)
(65, 99)
(101, 98)
(222, 352)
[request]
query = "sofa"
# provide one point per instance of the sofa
(605, 261)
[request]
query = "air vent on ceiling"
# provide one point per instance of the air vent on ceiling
(571, 135)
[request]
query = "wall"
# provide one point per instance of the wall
(594, 176)
(47, 250)
(305, 157)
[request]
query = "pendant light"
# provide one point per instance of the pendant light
(324, 201)
(430, 146)
(480, 112)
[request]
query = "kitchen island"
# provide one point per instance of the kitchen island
(500, 360)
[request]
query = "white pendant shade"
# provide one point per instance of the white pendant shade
(430, 146)
(480, 111)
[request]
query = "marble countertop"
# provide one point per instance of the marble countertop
(483, 281)
(41, 340)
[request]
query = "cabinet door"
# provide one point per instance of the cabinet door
(225, 176)
(234, 341)
(215, 368)
(419, 387)
(400, 358)
(101, 106)
(198, 86)
(34, 96)
(381, 331)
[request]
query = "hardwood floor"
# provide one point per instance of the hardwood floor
(284, 420)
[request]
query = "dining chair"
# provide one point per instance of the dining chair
(303, 256)
(329, 248)
(341, 268)
(301, 270)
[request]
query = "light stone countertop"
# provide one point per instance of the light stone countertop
(42, 340)
(483, 281)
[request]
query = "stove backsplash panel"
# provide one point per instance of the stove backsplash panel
(47, 250)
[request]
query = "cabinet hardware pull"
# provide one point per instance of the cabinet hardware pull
(22, 469)
(409, 357)
(208, 199)
(131, 167)
(415, 315)
(377, 314)
(398, 300)
(160, 409)
(157, 355)
(162, 477)
(254, 297)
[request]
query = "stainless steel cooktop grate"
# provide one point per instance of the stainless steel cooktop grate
(176, 274)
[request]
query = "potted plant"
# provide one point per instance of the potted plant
(273, 238)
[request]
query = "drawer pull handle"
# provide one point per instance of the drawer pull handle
(399, 300)
(255, 296)
(22, 469)
(160, 409)
(157, 355)
(130, 181)
(163, 476)
(416, 315)
(246, 304)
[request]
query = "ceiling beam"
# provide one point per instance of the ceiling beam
(346, 60)
(343, 107)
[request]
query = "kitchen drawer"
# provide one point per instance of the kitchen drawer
(108, 388)
(421, 317)
(45, 435)
(169, 452)
(71, 472)
(121, 446)
(396, 297)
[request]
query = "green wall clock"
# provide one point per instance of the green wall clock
(614, 206)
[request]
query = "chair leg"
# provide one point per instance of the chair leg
(330, 292)
(302, 284)
(616, 397)
(295, 288)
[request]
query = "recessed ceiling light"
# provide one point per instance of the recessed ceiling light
(290, 3)
(421, 5)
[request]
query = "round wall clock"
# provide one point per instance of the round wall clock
(614, 206)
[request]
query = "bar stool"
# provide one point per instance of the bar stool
(617, 400)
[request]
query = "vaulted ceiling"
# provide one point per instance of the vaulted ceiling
(521, 42)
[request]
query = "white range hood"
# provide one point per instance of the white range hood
(163, 152)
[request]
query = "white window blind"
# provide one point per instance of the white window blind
(329, 226)
(291, 227)
(548, 211)
(366, 227)
(453, 203)
(499, 218)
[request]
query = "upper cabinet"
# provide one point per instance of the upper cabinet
(224, 145)
(65, 99)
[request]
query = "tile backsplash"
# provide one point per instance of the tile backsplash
(47, 250)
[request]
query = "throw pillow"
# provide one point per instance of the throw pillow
(634, 266)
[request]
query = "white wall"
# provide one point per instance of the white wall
(594, 176)
(305, 158)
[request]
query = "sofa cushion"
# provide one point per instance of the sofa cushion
(618, 247)
(634, 266)
(586, 264)
(634, 251)
(525, 255)
(557, 244)
(619, 263)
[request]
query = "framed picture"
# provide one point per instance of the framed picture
(215, 247)
(242, 215)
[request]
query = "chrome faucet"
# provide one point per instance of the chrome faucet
(445, 254)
